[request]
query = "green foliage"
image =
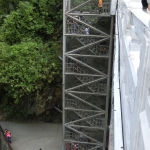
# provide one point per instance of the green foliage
(30, 41)
(29, 21)
(24, 65)
(13, 111)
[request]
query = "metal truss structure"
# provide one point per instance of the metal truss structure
(87, 56)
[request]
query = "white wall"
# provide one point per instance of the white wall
(134, 45)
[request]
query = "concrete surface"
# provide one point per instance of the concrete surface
(35, 135)
(134, 25)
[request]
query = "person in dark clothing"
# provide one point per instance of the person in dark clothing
(81, 17)
(100, 5)
(144, 4)
(75, 26)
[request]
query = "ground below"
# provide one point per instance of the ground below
(33, 136)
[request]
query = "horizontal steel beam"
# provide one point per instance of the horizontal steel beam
(83, 110)
(89, 75)
(78, 92)
(87, 127)
(88, 14)
(89, 143)
(85, 35)
(94, 56)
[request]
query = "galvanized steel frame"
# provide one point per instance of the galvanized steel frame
(71, 91)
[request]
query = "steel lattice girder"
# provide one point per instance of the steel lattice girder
(86, 73)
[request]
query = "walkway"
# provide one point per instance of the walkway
(35, 136)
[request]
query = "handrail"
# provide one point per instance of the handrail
(4, 141)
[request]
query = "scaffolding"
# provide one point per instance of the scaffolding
(87, 62)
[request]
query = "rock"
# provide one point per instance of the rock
(58, 93)
(40, 110)
(2, 117)
(41, 105)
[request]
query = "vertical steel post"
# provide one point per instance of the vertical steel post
(63, 65)
(109, 72)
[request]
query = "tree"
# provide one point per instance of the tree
(32, 20)
(30, 45)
